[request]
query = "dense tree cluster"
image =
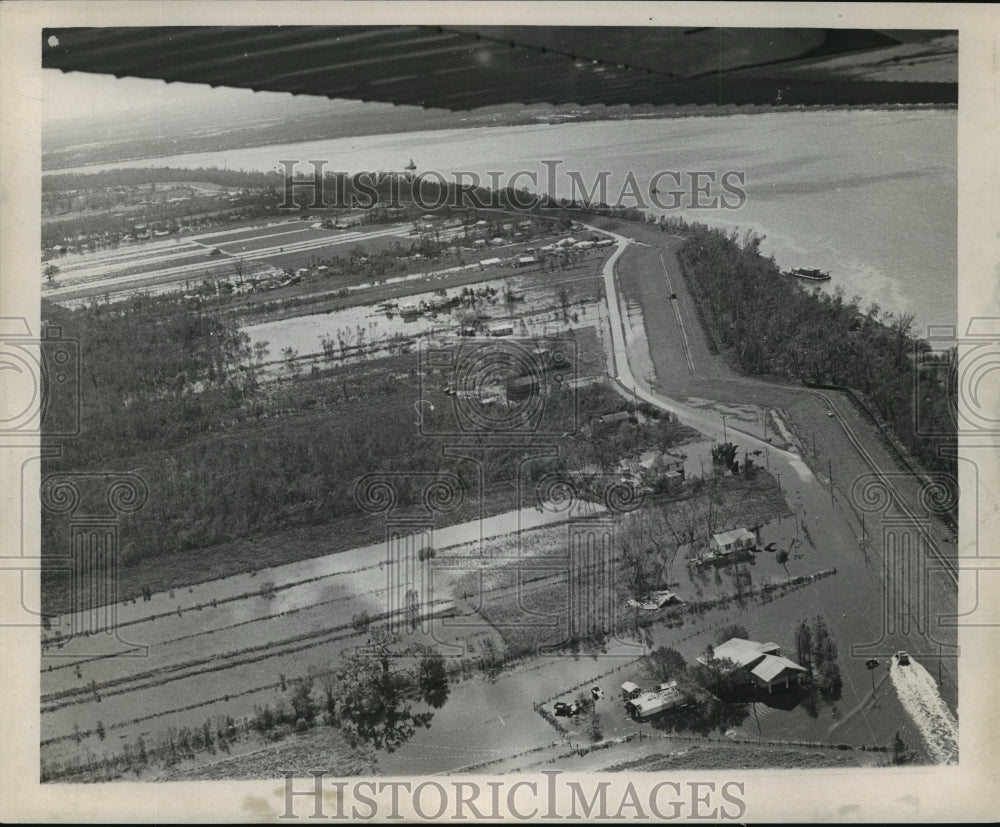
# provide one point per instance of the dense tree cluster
(774, 326)
(817, 652)
(371, 695)
(150, 371)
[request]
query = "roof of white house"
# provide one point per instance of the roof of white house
(726, 537)
(772, 666)
(744, 652)
(654, 600)
(628, 686)
(650, 704)
(649, 458)
(665, 696)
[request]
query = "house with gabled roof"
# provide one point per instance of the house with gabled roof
(727, 542)
(749, 662)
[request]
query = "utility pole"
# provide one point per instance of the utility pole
(778, 476)
(829, 465)
(725, 437)
(763, 416)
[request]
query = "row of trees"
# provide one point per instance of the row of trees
(817, 651)
(127, 179)
(773, 326)
(378, 695)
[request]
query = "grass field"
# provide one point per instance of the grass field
(322, 749)
(739, 757)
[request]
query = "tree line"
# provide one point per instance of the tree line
(772, 326)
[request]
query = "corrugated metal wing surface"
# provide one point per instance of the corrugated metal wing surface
(462, 69)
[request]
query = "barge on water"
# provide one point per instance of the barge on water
(808, 273)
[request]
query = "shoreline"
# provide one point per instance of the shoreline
(681, 112)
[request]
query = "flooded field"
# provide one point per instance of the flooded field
(536, 312)
(220, 647)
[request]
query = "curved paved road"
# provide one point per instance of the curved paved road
(883, 613)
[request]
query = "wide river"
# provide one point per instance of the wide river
(870, 196)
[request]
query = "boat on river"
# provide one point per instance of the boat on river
(808, 273)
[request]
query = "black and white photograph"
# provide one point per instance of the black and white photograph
(511, 413)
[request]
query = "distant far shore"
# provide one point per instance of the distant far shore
(124, 151)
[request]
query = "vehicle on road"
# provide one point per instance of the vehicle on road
(829, 413)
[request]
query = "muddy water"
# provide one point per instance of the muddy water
(371, 325)
(243, 631)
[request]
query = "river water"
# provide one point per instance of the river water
(870, 196)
